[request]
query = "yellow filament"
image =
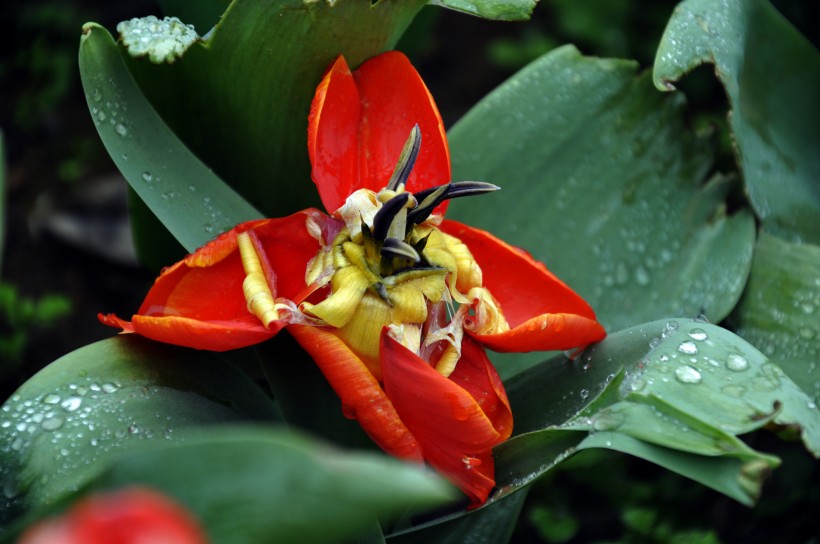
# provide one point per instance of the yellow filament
(255, 286)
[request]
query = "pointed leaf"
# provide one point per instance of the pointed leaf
(771, 74)
(609, 190)
(67, 422)
(188, 198)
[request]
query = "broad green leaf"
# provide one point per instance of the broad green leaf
(502, 10)
(203, 14)
(779, 310)
(608, 189)
(66, 423)
(192, 203)
(253, 485)
(771, 74)
(493, 522)
(240, 100)
(680, 391)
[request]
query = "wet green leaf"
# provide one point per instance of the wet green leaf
(66, 423)
(192, 203)
(675, 392)
(254, 485)
(502, 10)
(779, 310)
(609, 190)
(771, 74)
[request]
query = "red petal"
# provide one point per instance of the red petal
(543, 312)
(362, 397)
(130, 516)
(359, 123)
(453, 419)
(332, 143)
(199, 302)
(394, 99)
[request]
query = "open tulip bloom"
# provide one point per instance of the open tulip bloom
(395, 304)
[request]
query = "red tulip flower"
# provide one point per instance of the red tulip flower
(393, 302)
(130, 516)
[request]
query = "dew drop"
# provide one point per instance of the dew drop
(97, 96)
(642, 276)
(688, 347)
(101, 115)
(698, 334)
(109, 387)
(687, 374)
(121, 129)
(51, 398)
(52, 424)
(147, 177)
(737, 363)
(71, 403)
(583, 393)
(209, 228)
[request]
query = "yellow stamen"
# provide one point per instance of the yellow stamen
(258, 294)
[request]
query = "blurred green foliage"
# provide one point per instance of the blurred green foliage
(19, 315)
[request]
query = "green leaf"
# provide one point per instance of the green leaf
(609, 189)
(501, 10)
(240, 100)
(192, 203)
(66, 423)
(771, 74)
(674, 392)
(779, 310)
(203, 14)
(250, 485)
(493, 522)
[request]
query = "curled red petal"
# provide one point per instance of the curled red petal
(456, 422)
(359, 123)
(542, 311)
(129, 516)
(199, 301)
(362, 397)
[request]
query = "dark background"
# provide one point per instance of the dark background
(67, 252)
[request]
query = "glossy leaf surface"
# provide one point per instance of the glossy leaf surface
(192, 203)
(609, 190)
(69, 420)
(771, 74)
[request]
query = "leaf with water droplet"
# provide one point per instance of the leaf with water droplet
(69, 427)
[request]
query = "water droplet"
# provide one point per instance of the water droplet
(109, 387)
(124, 156)
(688, 347)
(51, 398)
(638, 385)
(21, 427)
(147, 177)
(121, 129)
(192, 188)
(97, 96)
(736, 362)
(698, 334)
(52, 424)
(101, 115)
(642, 276)
(209, 228)
(71, 403)
(583, 393)
(133, 429)
(687, 374)
(807, 307)
(806, 333)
